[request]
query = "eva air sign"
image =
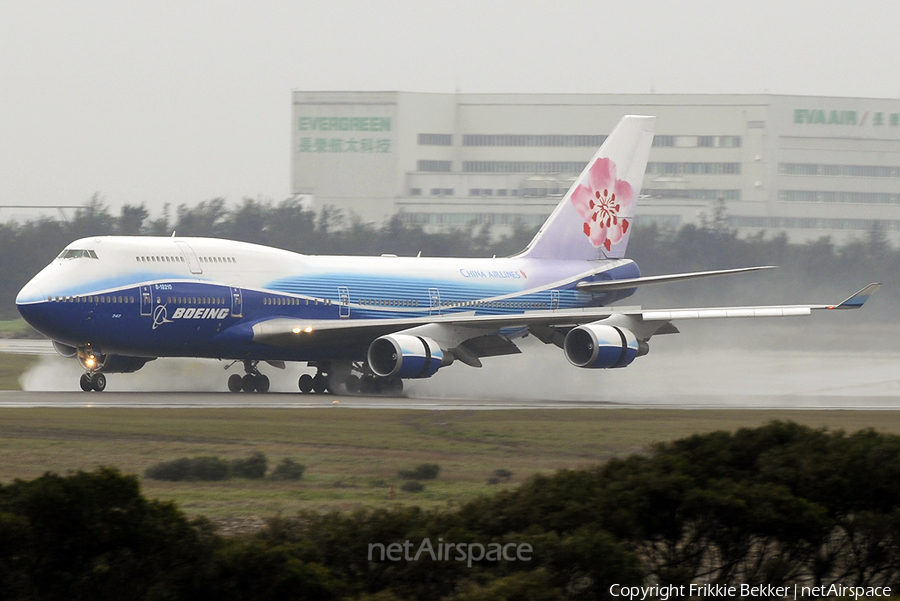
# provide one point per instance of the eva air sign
(835, 117)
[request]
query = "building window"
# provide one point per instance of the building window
(552, 140)
(812, 169)
(694, 168)
(729, 141)
(415, 191)
(693, 194)
(815, 223)
(706, 141)
(534, 167)
(435, 139)
(434, 166)
(829, 196)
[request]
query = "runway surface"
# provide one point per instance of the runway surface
(681, 376)
(225, 400)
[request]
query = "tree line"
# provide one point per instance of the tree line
(777, 505)
(28, 246)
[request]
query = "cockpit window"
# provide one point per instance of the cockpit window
(74, 253)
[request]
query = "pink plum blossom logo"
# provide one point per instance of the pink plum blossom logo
(600, 203)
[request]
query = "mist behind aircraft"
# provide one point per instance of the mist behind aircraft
(723, 364)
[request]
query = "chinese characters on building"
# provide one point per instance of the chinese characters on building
(364, 145)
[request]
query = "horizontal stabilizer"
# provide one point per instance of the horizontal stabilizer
(661, 279)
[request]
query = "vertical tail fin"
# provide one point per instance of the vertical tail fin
(594, 219)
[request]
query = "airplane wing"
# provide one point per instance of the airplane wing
(487, 335)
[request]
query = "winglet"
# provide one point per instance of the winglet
(857, 300)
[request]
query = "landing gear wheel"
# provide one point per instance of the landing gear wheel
(306, 383)
(248, 383)
(262, 383)
(85, 383)
(393, 387)
(320, 384)
(367, 385)
(235, 383)
(98, 382)
(352, 385)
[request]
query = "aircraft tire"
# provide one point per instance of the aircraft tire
(234, 383)
(367, 385)
(248, 383)
(305, 383)
(262, 383)
(352, 384)
(394, 387)
(85, 382)
(98, 382)
(320, 384)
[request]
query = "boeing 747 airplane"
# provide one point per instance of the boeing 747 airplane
(368, 323)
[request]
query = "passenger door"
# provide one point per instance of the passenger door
(435, 295)
(190, 256)
(146, 301)
(237, 302)
(344, 297)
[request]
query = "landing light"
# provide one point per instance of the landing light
(307, 329)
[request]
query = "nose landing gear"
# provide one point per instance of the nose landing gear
(252, 381)
(95, 381)
(92, 379)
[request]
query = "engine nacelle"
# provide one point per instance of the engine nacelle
(64, 349)
(599, 346)
(405, 356)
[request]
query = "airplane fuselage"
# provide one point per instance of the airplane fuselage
(200, 297)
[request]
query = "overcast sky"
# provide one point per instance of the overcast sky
(184, 101)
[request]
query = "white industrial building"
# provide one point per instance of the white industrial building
(808, 166)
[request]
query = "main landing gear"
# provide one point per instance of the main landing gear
(252, 381)
(353, 378)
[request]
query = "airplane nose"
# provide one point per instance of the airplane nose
(29, 293)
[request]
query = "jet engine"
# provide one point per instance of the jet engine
(405, 356)
(599, 346)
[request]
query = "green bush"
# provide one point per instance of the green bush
(425, 471)
(288, 469)
(253, 467)
(413, 486)
(190, 469)
(499, 476)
